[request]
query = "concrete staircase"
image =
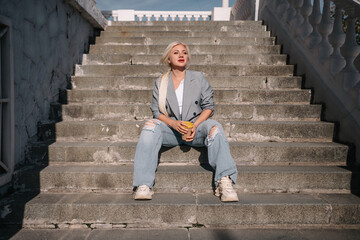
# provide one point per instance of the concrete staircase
(290, 170)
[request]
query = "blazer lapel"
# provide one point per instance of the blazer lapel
(187, 94)
(171, 98)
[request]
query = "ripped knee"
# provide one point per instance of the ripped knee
(151, 124)
(213, 132)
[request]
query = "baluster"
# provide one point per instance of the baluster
(181, 17)
(149, 16)
(305, 28)
(283, 8)
(337, 39)
(298, 19)
(325, 28)
(172, 17)
(350, 50)
(290, 14)
(314, 38)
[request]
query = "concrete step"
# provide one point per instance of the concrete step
(258, 34)
(187, 23)
(158, 70)
(147, 82)
(243, 131)
(103, 231)
(187, 178)
(243, 153)
(182, 28)
(186, 210)
(193, 40)
(256, 112)
(220, 96)
(204, 59)
(194, 49)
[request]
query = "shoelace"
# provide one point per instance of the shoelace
(142, 189)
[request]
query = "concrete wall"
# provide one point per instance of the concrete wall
(49, 38)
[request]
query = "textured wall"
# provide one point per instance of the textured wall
(49, 38)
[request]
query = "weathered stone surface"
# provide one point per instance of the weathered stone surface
(189, 28)
(42, 32)
(184, 34)
(192, 178)
(146, 82)
(175, 209)
(198, 40)
(243, 131)
(199, 59)
(195, 49)
(220, 96)
(271, 153)
(254, 112)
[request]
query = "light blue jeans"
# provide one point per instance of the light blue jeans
(156, 133)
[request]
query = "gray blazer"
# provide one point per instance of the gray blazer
(198, 96)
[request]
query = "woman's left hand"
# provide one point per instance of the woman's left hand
(191, 137)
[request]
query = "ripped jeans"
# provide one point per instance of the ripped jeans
(157, 133)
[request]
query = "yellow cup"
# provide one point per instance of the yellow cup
(189, 125)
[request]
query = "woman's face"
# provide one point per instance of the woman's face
(178, 57)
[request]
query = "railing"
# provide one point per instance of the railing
(6, 103)
(218, 14)
(315, 40)
(132, 15)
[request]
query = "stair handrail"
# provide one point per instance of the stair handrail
(323, 52)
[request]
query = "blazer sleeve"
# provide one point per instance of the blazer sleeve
(207, 101)
(155, 101)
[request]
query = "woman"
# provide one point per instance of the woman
(182, 95)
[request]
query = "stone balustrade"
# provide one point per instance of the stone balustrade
(217, 14)
(132, 15)
(324, 55)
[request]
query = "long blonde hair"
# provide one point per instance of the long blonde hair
(164, 79)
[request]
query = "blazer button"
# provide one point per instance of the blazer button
(196, 102)
(166, 107)
(194, 113)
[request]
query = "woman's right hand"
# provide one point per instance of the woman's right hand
(179, 126)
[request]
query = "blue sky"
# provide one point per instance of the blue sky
(161, 5)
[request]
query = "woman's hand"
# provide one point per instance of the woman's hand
(179, 126)
(191, 137)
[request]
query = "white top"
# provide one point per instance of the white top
(179, 95)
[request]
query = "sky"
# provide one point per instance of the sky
(161, 5)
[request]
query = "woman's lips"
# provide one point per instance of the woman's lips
(181, 60)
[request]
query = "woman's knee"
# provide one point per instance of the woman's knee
(151, 124)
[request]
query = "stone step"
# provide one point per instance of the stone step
(243, 59)
(193, 40)
(220, 96)
(187, 23)
(256, 112)
(189, 28)
(243, 153)
(194, 49)
(242, 131)
(247, 82)
(187, 178)
(258, 34)
(185, 210)
(158, 70)
(109, 232)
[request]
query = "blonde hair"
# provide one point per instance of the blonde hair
(164, 79)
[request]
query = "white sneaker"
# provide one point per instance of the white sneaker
(225, 190)
(143, 192)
